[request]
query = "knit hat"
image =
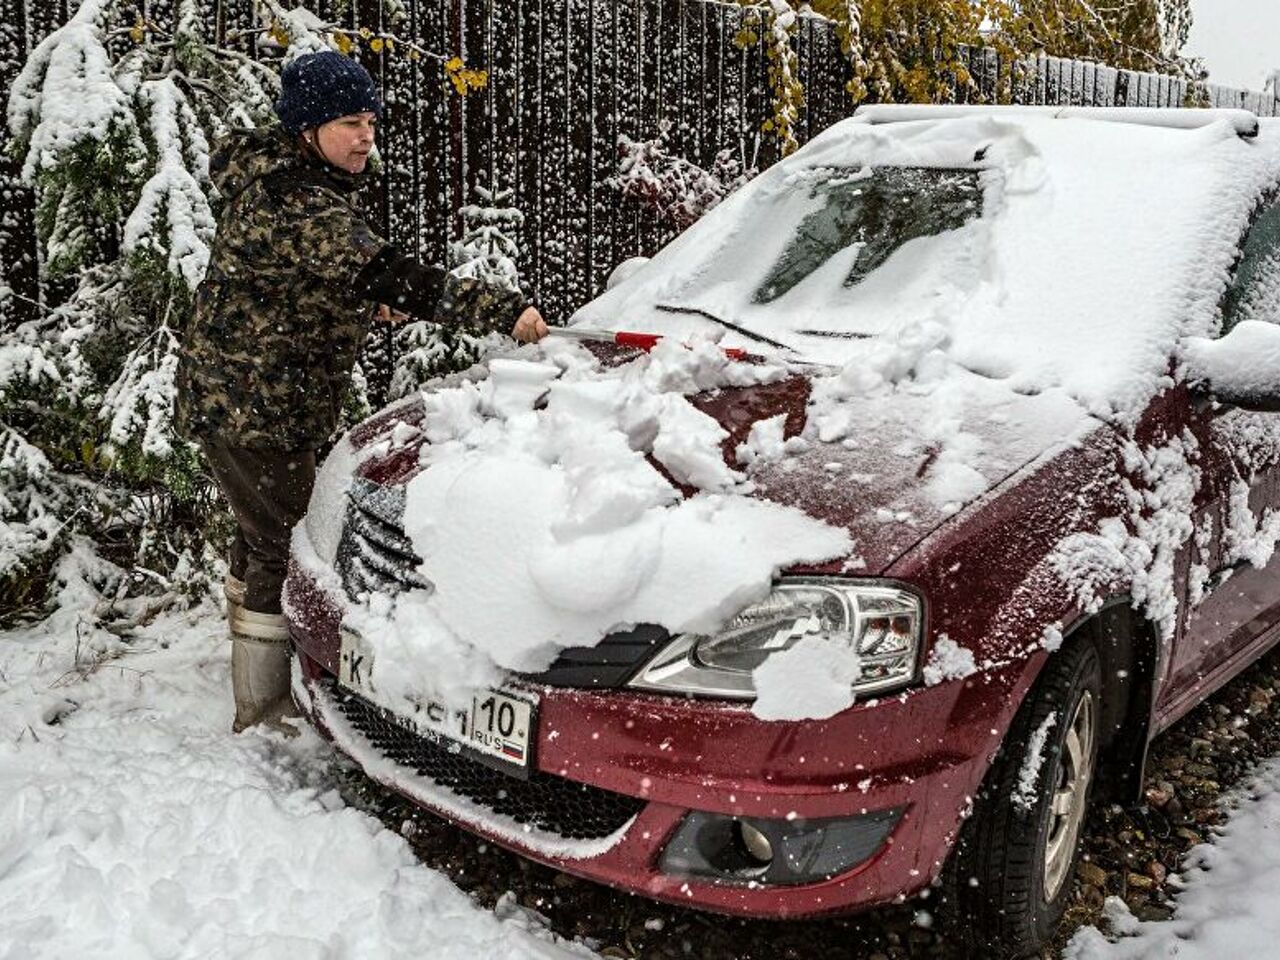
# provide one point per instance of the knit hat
(319, 87)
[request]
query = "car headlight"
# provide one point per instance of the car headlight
(881, 623)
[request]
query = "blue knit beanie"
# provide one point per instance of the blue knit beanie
(319, 87)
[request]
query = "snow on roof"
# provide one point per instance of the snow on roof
(1098, 246)
(1244, 122)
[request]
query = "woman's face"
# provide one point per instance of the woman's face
(346, 142)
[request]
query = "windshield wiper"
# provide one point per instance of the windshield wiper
(668, 308)
(836, 334)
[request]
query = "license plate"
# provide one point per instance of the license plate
(496, 729)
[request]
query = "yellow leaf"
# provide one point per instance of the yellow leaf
(343, 43)
(279, 35)
(391, 45)
(376, 44)
(137, 33)
(453, 65)
(87, 451)
(414, 55)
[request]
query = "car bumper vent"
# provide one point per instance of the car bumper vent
(607, 665)
(374, 554)
(544, 802)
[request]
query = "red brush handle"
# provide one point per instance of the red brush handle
(643, 341)
(647, 341)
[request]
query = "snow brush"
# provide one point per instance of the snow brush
(624, 338)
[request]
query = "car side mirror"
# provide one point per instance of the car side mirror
(1241, 369)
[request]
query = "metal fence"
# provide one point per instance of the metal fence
(566, 79)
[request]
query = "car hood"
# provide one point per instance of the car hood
(909, 460)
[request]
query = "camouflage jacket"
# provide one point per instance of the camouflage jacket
(288, 298)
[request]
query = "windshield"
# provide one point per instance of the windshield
(834, 252)
(878, 210)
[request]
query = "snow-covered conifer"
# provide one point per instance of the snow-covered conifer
(676, 189)
(488, 251)
(111, 117)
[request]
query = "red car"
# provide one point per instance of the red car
(993, 325)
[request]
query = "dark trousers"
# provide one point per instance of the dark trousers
(268, 491)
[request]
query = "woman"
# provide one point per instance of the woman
(294, 274)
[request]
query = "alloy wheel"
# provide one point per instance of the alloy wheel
(1070, 795)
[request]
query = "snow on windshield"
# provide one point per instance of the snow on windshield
(1089, 250)
(550, 527)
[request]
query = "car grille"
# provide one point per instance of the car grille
(374, 554)
(545, 802)
(609, 664)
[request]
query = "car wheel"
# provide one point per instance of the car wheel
(1009, 878)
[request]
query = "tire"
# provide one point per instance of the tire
(1008, 880)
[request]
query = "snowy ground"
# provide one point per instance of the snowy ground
(1228, 906)
(134, 825)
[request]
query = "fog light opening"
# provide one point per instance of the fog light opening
(755, 843)
(756, 850)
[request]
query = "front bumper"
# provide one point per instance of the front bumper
(918, 756)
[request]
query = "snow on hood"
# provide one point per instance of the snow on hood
(1097, 248)
(892, 467)
(547, 527)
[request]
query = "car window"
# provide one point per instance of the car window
(1254, 293)
(879, 209)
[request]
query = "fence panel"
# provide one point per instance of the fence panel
(566, 79)
(19, 267)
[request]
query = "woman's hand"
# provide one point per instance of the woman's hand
(530, 328)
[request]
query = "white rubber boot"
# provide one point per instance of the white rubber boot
(260, 669)
(233, 589)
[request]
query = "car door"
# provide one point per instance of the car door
(1233, 591)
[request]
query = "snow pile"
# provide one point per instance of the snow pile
(1239, 366)
(1139, 549)
(1248, 536)
(812, 680)
(1227, 908)
(948, 661)
(546, 516)
(765, 443)
(127, 806)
